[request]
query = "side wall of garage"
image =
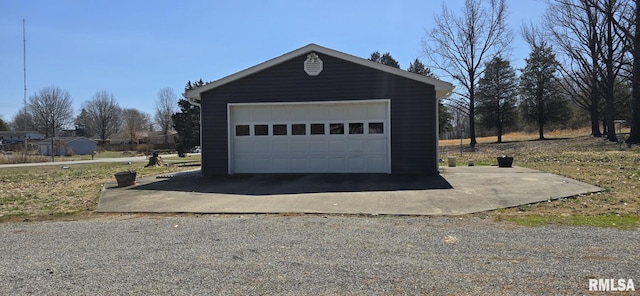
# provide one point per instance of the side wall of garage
(413, 108)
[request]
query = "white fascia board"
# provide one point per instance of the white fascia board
(443, 89)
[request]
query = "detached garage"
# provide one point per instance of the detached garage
(317, 110)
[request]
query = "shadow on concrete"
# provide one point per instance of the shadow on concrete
(272, 184)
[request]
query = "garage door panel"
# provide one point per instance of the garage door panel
(281, 164)
(261, 147)
(337, 164)
(281, 112)
(261, 114)
(305, 152)
(244, 147)
(317, 164)
(318, 146)
(376, 163)
(279, 147)
(298, 147)
(299, 164)
(356, 113)
(356, 146)
(262, 163)
(378, 111)
(243, 165)
(357, 164)
(242, 115)
(337, 146)
(378, 146)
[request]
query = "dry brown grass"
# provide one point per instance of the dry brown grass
(612, 166)
(521, 136)
(51, 192)
(55, 192)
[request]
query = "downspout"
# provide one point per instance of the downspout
(195, 102)
(438, 98)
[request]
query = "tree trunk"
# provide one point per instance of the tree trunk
(472, 116)
(634, 137)
(541, 120)
(611, 128)
(595, 122)
(610, 78)
(500, 133)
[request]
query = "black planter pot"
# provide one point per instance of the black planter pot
(505, 161)
(125, 178)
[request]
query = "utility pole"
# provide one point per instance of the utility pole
(24, 98)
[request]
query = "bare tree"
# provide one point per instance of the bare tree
(22, 121)
(103, 115)
(612, 52)
(458, 45)
(627, 26)
(585, 32)
(165, 107)
(634, 137)
(134, 123)
(576, 27)
(50, 110)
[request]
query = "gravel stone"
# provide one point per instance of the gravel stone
(309, 255)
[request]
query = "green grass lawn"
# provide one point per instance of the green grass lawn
(69, 191)
(613, 167)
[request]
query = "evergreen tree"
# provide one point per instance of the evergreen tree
(187, 122)
(419, 68)
(542, 99)
(81, 123)
(3, 125)
(385, 59)
(497, 92)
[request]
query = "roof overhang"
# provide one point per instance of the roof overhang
(443, 89)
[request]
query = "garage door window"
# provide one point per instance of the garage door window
(336, 128)
(299, 129)
(242, 130)
(261, 130)
(279, 129)
(317, 128)
(376, 128)
(356, 128)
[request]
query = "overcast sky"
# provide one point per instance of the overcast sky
(135, 48)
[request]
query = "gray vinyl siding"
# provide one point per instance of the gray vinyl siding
(413, 108)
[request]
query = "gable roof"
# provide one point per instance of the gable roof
(443, 89)
(65, 140)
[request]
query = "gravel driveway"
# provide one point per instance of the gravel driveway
(311, 254)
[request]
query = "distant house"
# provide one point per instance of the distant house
(158, 137)
(67, 146)
(123, 138)
(13, 137)
(143, 138)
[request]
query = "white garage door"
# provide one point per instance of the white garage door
(337, 137)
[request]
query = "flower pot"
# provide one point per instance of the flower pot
(452, 161)
(505, 161)
(125, 178)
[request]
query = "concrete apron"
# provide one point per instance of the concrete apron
(459, 190)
